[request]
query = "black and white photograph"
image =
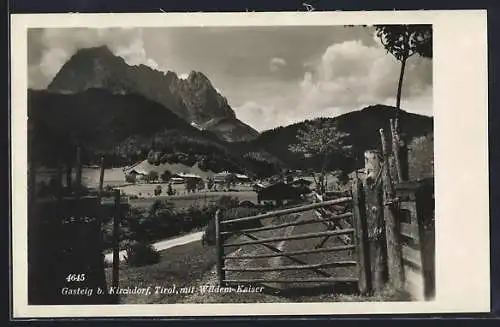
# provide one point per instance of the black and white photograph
(209, 164)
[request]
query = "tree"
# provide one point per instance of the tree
(210, 183)
(151, 176)
(166, 175)
(404, 41)
(130, 178)
(321, 138)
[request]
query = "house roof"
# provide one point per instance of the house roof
(144, 167)
(187, 175)
(136, 171)
(301, 181)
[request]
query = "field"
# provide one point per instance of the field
(184, 200)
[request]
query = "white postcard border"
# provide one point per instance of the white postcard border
(461, 159)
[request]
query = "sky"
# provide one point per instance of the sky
(270, 75)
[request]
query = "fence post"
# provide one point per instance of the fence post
(359, 224)
(78, 169)
(374, 221)
(392, 233)
(400, 152)
(31, 162)
(99, 198)
(219, 249)
(116, 238)
(426, 240)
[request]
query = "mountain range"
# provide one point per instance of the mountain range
(193, 99)
(131, 113)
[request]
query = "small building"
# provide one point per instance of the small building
(279, 193)
(258, 186)
(224, 180)
(224, 177)
(242, 178)
(193, 182)
(134, 175)
(177, 180)
(187, 176)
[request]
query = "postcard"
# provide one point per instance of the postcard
(224, 164)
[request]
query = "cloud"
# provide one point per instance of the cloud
(350, 75)
(276, 64)
(49, 49)
(346, 76)
(260, 117)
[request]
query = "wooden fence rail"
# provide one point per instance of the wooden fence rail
(294, 237)
(289, 253)
(336, 212)
(294, 267)
(294, 223)
(289, 211)
(291, 281)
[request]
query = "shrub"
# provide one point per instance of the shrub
(166, 175)
(208, 237)
(141, 254)
(130, 178)
(152, 176)
(227, 201)
(421, 157)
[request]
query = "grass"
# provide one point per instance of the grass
(180, 266)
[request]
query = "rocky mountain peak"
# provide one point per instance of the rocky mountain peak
(194, 99)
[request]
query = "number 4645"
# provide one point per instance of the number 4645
(75, 278)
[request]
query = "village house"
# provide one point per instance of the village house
(279, 193)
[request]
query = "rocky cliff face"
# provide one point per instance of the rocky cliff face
(193, 99)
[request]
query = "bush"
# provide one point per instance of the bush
(421, 157)
(130, 178)
(141, 254)
(227, 201)
(208, 237)
(166, 175)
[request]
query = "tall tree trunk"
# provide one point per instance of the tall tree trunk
(400, 85)
(399, 147)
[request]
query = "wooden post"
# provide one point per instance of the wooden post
(78, 168)
(32, 162)
(69, 172)
(359, 224)
(116, 238)
(219, 248)
(99, 198)
(400, 152)
(403, 159)
(392, 233)
(59, 179)
(426, 242)
(374, 222)
(101, 176)
(372, 165)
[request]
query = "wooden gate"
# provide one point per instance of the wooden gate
(340, 217)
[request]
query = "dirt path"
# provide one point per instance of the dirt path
(279, 261)
(162, 245)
